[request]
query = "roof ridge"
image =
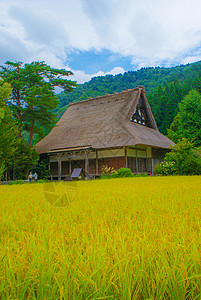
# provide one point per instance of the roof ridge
(105, 96)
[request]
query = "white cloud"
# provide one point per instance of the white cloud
(82, 77)
(191, 59)
(151, 32)
(114, 71)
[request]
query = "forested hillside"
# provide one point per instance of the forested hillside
(150, 78)
(165, 100)
(165, 88)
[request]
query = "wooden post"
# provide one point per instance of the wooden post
(87, 164)
(49, 168)
(126, 160)
(152, 162)
(96, 162)
(146, 169)
(136, 164)
(59, 168)
(70, 170)
(152, 167)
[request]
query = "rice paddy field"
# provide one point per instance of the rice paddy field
(135, 238)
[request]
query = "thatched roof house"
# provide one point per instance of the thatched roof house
(115, 130)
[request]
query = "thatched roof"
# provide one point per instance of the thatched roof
(104, 122)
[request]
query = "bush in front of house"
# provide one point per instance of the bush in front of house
(183, 159)
(105, 170)
(141, 175)
(166, 168)
(122, 172)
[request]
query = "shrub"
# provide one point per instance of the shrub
(122, 172)
(166, 168)
(157, 169)
(43, 181)
(16, 182)
(141, 175)
(105, 170)
(103, 176)
(184, 159)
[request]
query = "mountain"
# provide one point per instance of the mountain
(165, 88)
(150, 78)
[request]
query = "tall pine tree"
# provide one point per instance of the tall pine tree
(33, 99)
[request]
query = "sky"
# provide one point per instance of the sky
(98, 37)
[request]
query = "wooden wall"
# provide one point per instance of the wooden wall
(138, 160)
(54, 168)
(115, 162)
(64, 168)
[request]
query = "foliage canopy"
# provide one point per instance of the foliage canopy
(33, 98)
(8, 131)
(183, 159)
(187, 123)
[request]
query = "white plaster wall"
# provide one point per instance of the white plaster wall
(140, 153)
(111, 153)
(149, 152)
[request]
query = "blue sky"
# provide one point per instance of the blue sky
(91, 61)
(99, 37)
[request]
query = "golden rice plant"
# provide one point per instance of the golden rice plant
(132, 238)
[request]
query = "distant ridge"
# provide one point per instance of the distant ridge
(150, 78)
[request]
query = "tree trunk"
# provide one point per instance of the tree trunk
(31, 133)
(20, 131)
(13, 172)
(19, 114)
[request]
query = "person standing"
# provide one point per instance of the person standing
(35, 176)
(30, 177)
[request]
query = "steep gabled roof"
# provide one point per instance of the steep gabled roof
(120, 119)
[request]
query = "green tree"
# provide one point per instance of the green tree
(190, 117)
(173, 131)
(8, 130)
(23, 160)
(42, 168)
(183, 159)
(174, 96)
(33, 98)
(16, 158)
(158, 102)
(187, 123)
(164, 102)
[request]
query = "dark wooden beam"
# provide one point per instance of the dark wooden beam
(96, 162)
(87, 165)
(146, 164)
(59, 168)
(136, 162)
(126, 159)
(70, 169)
